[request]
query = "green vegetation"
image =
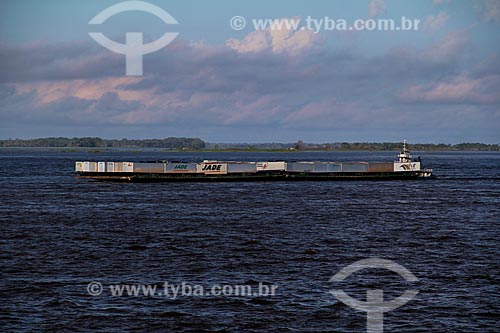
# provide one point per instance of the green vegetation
(189, 144)
(169, 143)
(339, 146)
(418, 146)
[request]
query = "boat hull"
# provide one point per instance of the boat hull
(249, 177)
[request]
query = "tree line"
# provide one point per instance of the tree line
(416, 146)
(196, 144)
(169, 143)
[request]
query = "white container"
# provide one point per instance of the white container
(101, 166)
(110, 166)
(355, 167)
(300, 166)
(409, 166)
(128, 167)
(241, 167)
(78, 166)
(326, 167)
(149, 167)
(89, 166)
(271, 166)
(212, 168)
(180, 168)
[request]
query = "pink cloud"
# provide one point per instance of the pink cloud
(213, 87)
(256, 41)
(277, 40)
(447, 47)
(460, 90)
(331, 113)
(50, 91)
(263, 110)
(436, 22)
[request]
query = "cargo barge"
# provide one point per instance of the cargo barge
(171, 171)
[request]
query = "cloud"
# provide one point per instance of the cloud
(256, 41)
(277, 81)
(93, 88)
(111, 102)
(43, 61)
(376, 8)
(324, 114)
(489, 9)
(448, 47)
(25, 106)
(435, 22)
(7, 91)
(459, 90)
(275, 40)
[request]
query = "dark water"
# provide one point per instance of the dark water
(60, 234)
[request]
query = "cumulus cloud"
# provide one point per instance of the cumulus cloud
(435, 22)
(260, 81)
(23, 105)
(459, 90)
(256, 41)
(276, 40)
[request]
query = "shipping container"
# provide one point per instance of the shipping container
(110, 167)
(89, 166)
(300, 166)
(78, 166)
(118, 167)
(406, 166)
(243, 167)
(355, 167)
(335, 167)
(101, 166)
(271, 166)
(380, 167)
(128, 167)
(181, 167)
(327, 167)
(320, 167)
(212, 168)
(149, 167)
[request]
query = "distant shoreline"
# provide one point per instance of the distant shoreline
(173, 144)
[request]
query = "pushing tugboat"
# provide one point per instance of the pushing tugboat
(165, 171)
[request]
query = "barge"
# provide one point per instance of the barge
(208, 170)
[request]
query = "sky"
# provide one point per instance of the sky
(439, 83)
